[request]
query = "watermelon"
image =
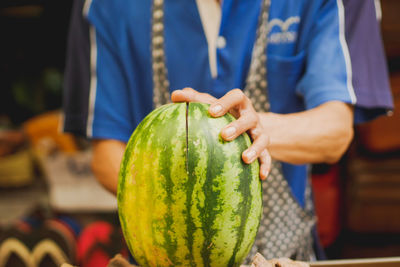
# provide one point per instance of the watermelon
(185, 197)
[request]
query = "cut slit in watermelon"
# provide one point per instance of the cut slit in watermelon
(187, 137)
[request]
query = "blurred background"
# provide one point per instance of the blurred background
(45, 175)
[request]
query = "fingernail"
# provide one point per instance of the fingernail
(265, 173)
(216, 109)
(229, 132)
(251, 154)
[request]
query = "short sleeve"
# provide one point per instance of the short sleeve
(368, 60)
(96, 98)
(77, 73)
(344, 50)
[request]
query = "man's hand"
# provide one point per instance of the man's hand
(321, 134)
(240, 106)
(318, 135)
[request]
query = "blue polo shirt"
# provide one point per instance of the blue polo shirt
(318, 51)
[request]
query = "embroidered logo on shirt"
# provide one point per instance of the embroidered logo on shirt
(280, 32)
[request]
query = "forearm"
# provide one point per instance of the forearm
(318, 135)
(107, 156)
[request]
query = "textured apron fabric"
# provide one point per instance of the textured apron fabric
(285, 228)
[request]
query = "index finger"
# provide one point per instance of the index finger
(230, 100)
(190, 95)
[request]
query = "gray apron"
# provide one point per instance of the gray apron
(286, 228)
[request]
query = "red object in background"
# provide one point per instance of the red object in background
(327, 195)
(98, 243)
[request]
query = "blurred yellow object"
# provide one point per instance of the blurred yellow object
(16, 169)
(44, 133)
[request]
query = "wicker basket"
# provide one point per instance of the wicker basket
(17, 169)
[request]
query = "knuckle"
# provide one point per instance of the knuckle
(204, 95)
(254, 132)
(245, 124)
(253, 118)
(262, 141)
(265, 139)
(264, 154)
(239, 93)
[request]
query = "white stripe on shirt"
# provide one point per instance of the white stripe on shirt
(378, 10)
(86, 7)
(346, 52)
(93, 81)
